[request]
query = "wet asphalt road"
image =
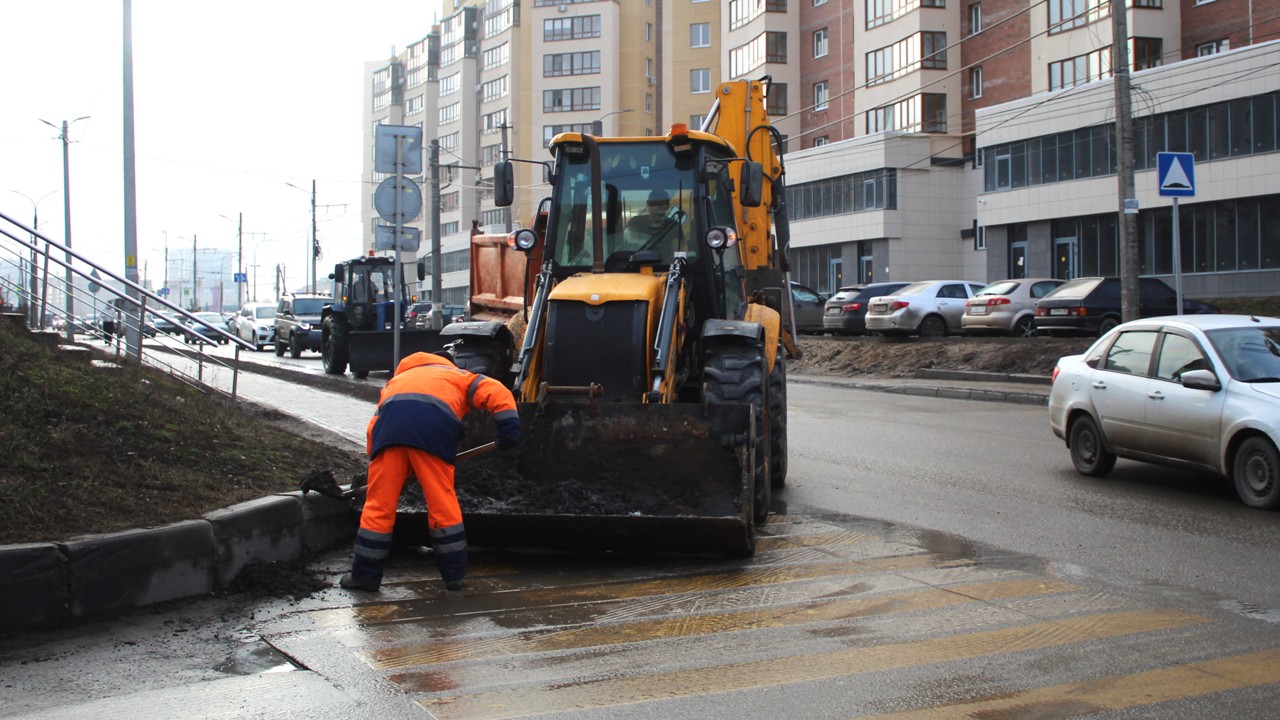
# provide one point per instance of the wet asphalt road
(930, 558)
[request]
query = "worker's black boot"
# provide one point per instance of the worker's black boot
(349, 582)
(453, 585)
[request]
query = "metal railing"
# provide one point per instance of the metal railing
(121, 315)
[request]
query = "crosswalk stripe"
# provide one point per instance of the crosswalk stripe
(405, 610)
(594, 635)
(532, 701)
(1113, 693)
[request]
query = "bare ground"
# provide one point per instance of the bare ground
(888, 357)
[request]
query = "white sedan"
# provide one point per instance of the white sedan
(1193, 391)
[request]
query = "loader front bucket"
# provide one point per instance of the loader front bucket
(371, 350)
(613, 476)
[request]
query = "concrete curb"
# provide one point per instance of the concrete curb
(54, 584)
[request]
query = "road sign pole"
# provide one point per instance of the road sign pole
(1177, 257)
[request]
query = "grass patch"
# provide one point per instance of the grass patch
(87, 449)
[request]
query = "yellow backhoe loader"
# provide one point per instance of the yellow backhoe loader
(651, 371)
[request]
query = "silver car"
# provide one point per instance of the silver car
(1007, 307)
(1194, 391)
(931, 308)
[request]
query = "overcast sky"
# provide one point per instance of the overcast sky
(232, 100)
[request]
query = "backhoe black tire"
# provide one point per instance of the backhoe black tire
(778, 422)
(279, 347)
(483, 356)
(333, 345)
(360, 374)
(295, 346)
(735, 372)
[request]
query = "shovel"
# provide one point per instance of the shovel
(322, 482)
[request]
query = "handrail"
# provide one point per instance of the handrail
(129, 312)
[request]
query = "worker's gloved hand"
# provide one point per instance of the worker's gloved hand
(506, 442)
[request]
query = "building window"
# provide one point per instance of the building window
(816, 3)
(648, 102)
(497, 56)
(925, 112)
(776, 102)
(820, 95)
(1068, 14)
(550, 131)
(648, 32)
(765, 47)
(494, 121)
(576, 63)
(494, 89)
(820, 43)
(975, 81)
(934, 50)
(975, 18)
(700, 80)
(880, 12)
(844, 194)
(820, 141)
(1213, 48)
(700, 35)
(921, 50)
(571, 28)
(1150, 3)
(449, 84)
(1147, 52)
(1080, 69)
(450, 113)
(571, 99)
(415, 105)
(695, 121)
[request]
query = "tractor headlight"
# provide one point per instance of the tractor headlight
(721, 237)
(525, 239)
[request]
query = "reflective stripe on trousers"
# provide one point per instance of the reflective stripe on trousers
(387, 474)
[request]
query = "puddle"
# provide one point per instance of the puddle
(255, 658)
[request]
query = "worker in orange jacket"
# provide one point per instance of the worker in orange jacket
(417, 426)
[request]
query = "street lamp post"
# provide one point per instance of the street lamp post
(66, 208)
(35, 313)
(597, 125)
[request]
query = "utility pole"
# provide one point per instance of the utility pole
(1128, 221)
(506, 154)
(240, 260)
(132, 330)
(66, 219)
(437, 289)
(315, 242)
(195, 278)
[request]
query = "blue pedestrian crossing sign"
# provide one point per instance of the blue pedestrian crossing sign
(240, 277)
(163, 292)
(1176, 173)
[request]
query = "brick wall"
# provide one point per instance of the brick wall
(1005, 68)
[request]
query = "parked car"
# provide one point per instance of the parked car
(256, 323)
(845, 312)
(297, 323)
(1091, 305)
(808, 305)
(418, 315)
(1007, 307)
(930, 308)
(194, 332)
(1196, 391)
(164, 324)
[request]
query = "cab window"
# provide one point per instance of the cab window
(1131, 352)
(1178, 354)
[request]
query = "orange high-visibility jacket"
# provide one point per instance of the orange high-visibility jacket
(423, 404)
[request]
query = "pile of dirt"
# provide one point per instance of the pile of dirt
(888, 357)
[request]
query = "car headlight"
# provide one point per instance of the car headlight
(304, 326)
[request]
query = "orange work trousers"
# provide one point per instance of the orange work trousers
(388, 472)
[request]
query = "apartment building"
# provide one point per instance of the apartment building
(899, 117)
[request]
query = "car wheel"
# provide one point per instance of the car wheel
(1025, 327)
(933, 326)
(295, 347)
(1256, 471)
(279, 347)
(1088, 451)
(1107, 325)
